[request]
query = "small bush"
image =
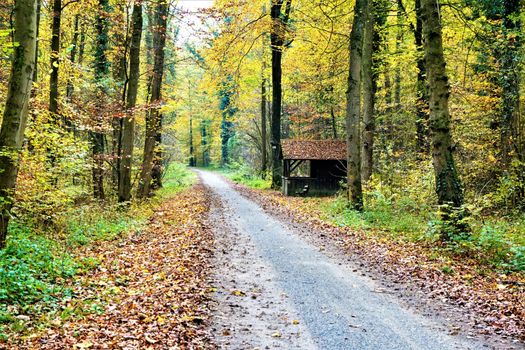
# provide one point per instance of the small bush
(517, 262)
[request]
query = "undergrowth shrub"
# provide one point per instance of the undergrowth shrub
(32, 269)
(241, 173)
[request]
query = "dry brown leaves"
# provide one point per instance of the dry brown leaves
(150, 288)
(489, 303)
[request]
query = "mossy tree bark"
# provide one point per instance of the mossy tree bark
(370, 74)
(448, 186)
(101, 64)
(16, 108)
(353, 106)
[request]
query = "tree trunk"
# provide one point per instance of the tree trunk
(369, 91)
(101, 72)
(128, 122)
(264, 132)
(54, 63)
(120, 75)
(192, 151)
(16, 107)
(38, 10)
(353, 106)
(448, 186)
(153, 118)
(510, 81)
(399, 39)
(158, 165)
(277, 37)
(204, 143)
(72, 57)
(421, 86)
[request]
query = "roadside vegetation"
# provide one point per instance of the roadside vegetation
(496, 240)
(40, 262)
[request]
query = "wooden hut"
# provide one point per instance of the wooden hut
(313, 167)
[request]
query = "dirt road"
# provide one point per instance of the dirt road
(274, 290)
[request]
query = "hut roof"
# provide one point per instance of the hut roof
(314, 149)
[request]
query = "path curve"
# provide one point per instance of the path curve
(274, 290)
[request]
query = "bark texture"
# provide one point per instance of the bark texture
(448, 186)
(153, 118)
(101, 71)
(353, 106)
(15, 113)
(264, 131)
(371, 43)
(54, 63)
(128, 123)
(280, 17)
(421, 85)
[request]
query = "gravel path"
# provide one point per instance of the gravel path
(274, 290)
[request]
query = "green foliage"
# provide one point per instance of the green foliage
(99, 228)
(176, 178)
(381, 214)
(32, 269)
(242, 174)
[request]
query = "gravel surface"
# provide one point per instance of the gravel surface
(274, 290)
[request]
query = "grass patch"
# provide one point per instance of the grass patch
(241, 174)
(177, 178)
(380, 217)
(495, 243)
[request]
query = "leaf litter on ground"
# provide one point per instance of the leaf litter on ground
(149, 290)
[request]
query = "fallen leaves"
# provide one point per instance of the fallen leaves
(150, 290)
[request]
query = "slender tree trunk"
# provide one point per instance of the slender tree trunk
(421, 85)
(204, 143)
(264, 132)
(192, 150)
(510, 80)
(128, 122)
(72, 57)
(158, 165)
(120, 75)
(82, 44)
(153, 119)
(15, 112)
(54, 64)
(353, 106)
(334, 122)
(38, 10)
(448, 186)
(101, 72)
(277, 37)
(369, 91)
(399, 39)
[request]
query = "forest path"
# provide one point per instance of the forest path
(274, 290)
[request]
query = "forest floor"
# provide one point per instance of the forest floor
(149, 289)
(220, 265)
